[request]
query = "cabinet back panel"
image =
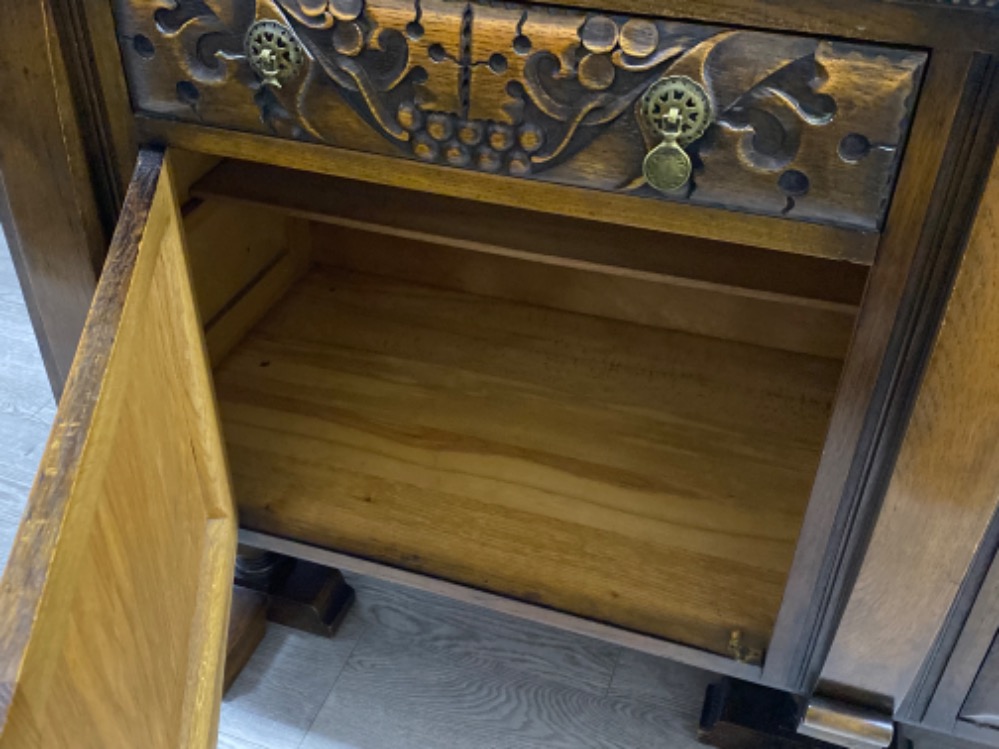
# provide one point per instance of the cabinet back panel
(783, 321)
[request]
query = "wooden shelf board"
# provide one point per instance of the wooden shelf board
(636, 476)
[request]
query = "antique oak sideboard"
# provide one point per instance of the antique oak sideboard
(674, 324)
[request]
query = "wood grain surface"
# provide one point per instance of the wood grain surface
(943, 490)
(47, 206)
(781, 321)
(637, 476)
(768, 232)
(247, 625)
(924, 23)
(920, 233)
(475, 222)
(113, 605)
(809, 129)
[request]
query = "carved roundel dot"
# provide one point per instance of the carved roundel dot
(143, 46)
(596, 72)
(346, 10)
(470, 133)
(519, 163)
(424, 148)
(599, 34)
(487, 159)
(414, 30)
(854, 147)
(409, 116)
(500, 136)
(457, 155)
(522, 44)
(515, 89)
(188, 93)
(793, 183)
(639, 37)
(437, 53)
(497, 63)
(348, 39)
(439, 126)
(531, 137)
(419, 75)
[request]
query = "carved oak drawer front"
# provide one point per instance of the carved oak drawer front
(801, 127)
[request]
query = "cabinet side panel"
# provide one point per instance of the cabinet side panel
(943, 492)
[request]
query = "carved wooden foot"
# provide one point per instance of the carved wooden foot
(740, 715)
(301, 594)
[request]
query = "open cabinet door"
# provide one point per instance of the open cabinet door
(115, 600)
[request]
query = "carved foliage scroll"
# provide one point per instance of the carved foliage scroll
(805, 128)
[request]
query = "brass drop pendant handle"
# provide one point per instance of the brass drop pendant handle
(677, 109)
(273, 52)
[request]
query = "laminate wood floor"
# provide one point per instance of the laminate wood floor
(407, 670)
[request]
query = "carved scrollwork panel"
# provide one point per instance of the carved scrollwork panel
(804, 128)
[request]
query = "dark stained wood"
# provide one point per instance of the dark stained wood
(796, 237)
(944, 489)
(247, 626)
(742, 715)
(961, 650)
(982, 705)
(47, 203)
(114, 602)
(946, 25)
(803, 128)
(917, 243)
(101, 97)
(918, 737)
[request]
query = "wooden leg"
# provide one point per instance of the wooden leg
(740, 715)
(247, 624)
(301, 594)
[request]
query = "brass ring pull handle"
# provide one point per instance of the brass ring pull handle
(677, 109)
(273, 52)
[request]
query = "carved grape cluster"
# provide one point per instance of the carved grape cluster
(439, 137)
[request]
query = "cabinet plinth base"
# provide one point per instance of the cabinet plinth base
(300, 594)
(740, 715)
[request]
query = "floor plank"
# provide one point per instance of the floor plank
(392, 696)
(12, 500)
(672, 685)
(478, 639)
(280, 691)
(234, 742)
(26, 404)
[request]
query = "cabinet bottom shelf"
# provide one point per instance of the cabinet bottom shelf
(642, 477)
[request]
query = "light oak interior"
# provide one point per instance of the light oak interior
(615, 424)
(114, 600)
